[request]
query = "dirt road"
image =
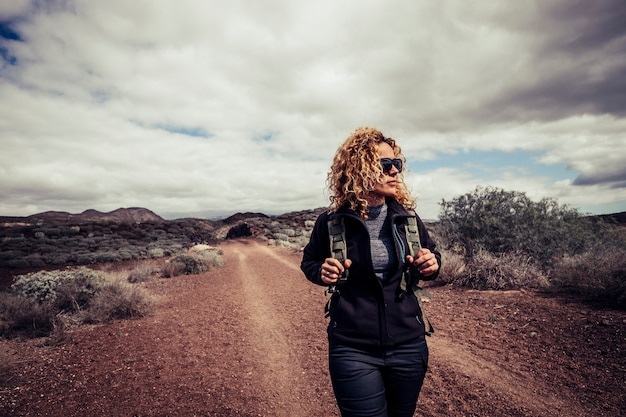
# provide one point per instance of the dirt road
(248, 339)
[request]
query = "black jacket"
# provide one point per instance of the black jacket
(369, 312)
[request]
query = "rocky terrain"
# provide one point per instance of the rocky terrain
(57, 239)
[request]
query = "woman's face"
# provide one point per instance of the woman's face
(386, 187)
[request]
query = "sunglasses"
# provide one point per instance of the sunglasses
(388, 163)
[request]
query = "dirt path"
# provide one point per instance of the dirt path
(248, 339)
(271, 308)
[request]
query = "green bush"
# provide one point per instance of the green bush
(63, 287)
(17, 263)
(508, 241)
(498, 221)
(488, 271)
(77, 289)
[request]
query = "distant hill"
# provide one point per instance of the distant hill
(237, 217)
(121, 215)
(616, 218)
(141, 215)
(57, 239)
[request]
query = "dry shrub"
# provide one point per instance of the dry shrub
(213, 258)
(46, 303)
(118, 300)
(76, 291)
(453, 267)
(143, 272)
(173, 269)
(502, 272)
(20, 316)
(192, 263)
(595, 274)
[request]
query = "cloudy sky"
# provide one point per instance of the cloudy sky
(209, 107)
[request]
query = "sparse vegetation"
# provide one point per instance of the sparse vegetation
(500, 221)
(490, 239)
(506, 271)
(508, 330)
(143, 272)
(25, 316)
(191, 263)
(508, 241)
(40, 302)
(117, 299)
(33, 245)
(599, 274)
(69, 288)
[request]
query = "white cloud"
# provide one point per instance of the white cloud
(94, 94)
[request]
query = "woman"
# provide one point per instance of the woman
(377, 349)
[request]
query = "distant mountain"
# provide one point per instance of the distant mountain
(237, 217)
(616, 218)
(121, 215)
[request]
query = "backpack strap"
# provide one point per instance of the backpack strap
(338, 248)
(412, 234)
(421, 294)
(413, 239)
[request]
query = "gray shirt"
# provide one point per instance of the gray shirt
(381, 241)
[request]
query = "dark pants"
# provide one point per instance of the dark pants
(377, 382)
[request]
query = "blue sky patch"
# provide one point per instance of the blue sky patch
(490, 163)
(6, 32)
(197, 132)
(265, 136)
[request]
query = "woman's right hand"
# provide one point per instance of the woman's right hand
(332, 270)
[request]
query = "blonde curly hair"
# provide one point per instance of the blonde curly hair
(356, 170)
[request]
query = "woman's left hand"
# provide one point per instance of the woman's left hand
(425, 261)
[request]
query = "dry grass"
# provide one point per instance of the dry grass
(118, 299)
(23, 316)
(191, 263)
(143, 272)
(599, 274)
(47, 303)
(486, 271)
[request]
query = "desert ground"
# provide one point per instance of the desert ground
(248, 339)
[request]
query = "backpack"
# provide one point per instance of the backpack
(338, 250)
